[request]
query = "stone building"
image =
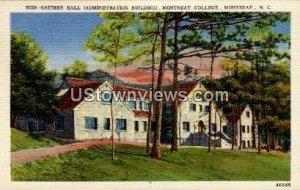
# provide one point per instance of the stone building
(84, 113)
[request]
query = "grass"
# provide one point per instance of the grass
(189, 164)
(21, 140)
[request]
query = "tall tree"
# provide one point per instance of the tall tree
(155, 153)
(110, 40)
(174, 141)
(146, 49)
(33, 92)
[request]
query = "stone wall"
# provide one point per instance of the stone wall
(102, 110)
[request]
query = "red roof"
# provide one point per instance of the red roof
(76, 82)
(138, 113)
(66, 101)
(79, 85)
(77, 90)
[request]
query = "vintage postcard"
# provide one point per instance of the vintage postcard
(152, 95)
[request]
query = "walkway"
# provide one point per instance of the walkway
(25, 156)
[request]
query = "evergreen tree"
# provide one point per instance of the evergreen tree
(33, 93)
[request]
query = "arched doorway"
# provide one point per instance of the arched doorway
(201, 126)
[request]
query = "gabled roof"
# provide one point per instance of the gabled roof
(235, 115)
(66, 101)
(77, 87)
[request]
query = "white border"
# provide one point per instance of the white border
(6, 7)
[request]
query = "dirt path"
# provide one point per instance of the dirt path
(25, 156)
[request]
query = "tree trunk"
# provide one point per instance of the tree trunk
(259, 139)
(220, 130)
(253, 129)
(151, 102)
(112, 118)
(241, 135)
(259, 112)
(232, 136)
(155, 153)
(253, 109)
(113, 89)
(268, 138)
(215, 135)
(209, 127)
(210, 85)
(149, 129)
(37, 125)
(174, 142)
(13, 121)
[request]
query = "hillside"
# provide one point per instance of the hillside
(189, 164)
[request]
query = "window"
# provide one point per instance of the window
(131, 104)
(145, 125)
(192, 107)
(248, 129)
(121, 125)
(60, 122)
(249, 144)
(136, 126)
(90, 122)
(146, 106)
(243, 128)
(106, 124)
(247, 113)
(200, 108)
(206, 108)
(140, 105)
(106, 97)
(186, 126)
(213, 127)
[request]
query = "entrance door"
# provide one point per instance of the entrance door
(201, 126)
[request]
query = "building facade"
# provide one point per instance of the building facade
(84, 113)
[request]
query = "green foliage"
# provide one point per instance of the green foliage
(147, 45)
(113, 39)
(77, 69)
(231, 65)
(32, 87)
(21, 140)
(131, 164)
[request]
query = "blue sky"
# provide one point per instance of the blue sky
(62, 35)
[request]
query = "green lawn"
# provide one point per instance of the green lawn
(21, 140)
(194, 164)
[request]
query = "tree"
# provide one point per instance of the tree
(263, 52)
(77, 69)
(146, 49)
(155, 153)
(33, 93)
(177, 17)
(110, 40)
